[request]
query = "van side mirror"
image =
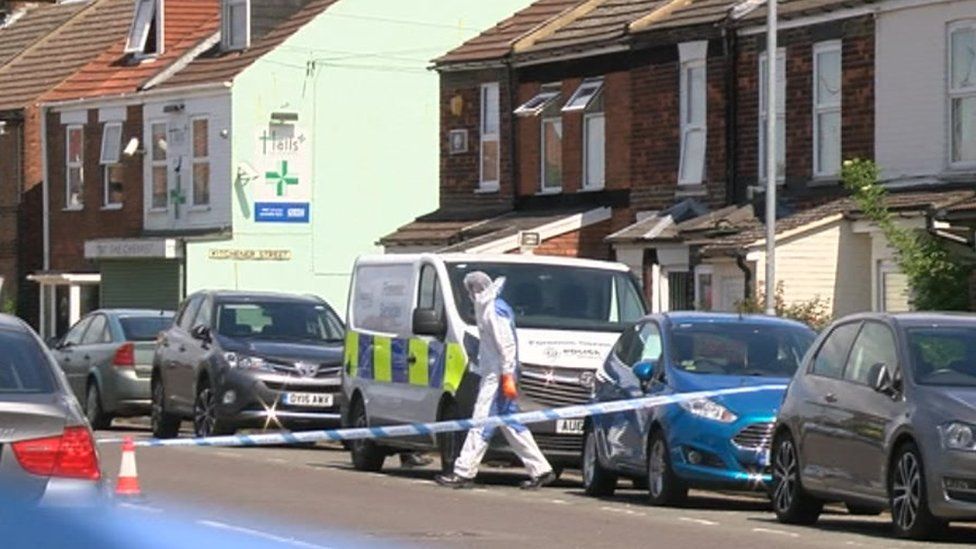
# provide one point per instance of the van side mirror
(881, 380)
(428, 322)
(202, 333)
(644, 370)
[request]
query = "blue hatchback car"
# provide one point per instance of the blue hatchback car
(721, 442)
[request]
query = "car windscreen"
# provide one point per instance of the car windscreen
(279, 320)
(24, 366)
(739, 349)
(144, 328)
(943, 355)
(556, 297)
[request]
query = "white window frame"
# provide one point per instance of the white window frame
(780, 113)
(142, 18)
(227, 25)
(156, 163)
(70, 165)
(588, 119)
(110, 157)
(486, 185)
(590, 89)
(819, 109)
(956, 93)
(701, 271)
(543, 189)
(194, 160)
(537, 103)
(692, 55)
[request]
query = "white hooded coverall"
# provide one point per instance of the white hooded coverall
(497, 355)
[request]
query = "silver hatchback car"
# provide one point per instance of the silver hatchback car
(107, 357)
(47, 453)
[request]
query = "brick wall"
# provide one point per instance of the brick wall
(656, 130)
(70, 229)
(461, 173)
(11, 167)
(857, 137)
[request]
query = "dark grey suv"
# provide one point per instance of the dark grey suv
(882, 416)
(234, 360)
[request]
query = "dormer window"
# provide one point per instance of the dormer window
(236, 24)
(146, 32)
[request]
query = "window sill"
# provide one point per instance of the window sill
(962, 173)
(200, 208)
(111, 207)
(824, 181)
(688, 190)
(158, 210)
(592, 189)
(72, 208)
(486, 190)
(547, 192)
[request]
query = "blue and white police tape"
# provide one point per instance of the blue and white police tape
(426, 429)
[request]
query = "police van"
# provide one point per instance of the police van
(411, 332)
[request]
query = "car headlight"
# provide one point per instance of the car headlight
(245, 362)
(958, 436)
(708, 409)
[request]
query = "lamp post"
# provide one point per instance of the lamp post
(771, 156)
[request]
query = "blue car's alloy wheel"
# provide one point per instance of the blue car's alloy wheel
(597, 481)
(664, 487)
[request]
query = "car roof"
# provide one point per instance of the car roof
(523, 259)
(698, 317)
(929, 318)
(224, 295)
(135, 312)
(11, 322)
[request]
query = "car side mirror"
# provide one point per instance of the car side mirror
(428, 322)
(881, 380)
(644, 370)
(202, 333)
(53, 342)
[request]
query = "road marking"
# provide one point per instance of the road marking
(276, 460)
(260, 534)
(775, 532)
(703, 522)
(138, 507)
(559, 501)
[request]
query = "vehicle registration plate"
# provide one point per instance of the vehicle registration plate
(314, 400)
(569, 426)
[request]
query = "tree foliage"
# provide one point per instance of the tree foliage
(813, 312)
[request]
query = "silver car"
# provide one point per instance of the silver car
(107, 357)
(47, 453)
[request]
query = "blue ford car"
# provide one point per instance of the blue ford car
(721, 442)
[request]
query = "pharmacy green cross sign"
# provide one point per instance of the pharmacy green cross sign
(281, 178)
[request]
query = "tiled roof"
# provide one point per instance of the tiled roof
(606, 23)
(219, 66)
(897, 202)
(59, 54)
(33, 25)
(496, 42)
(188, 22)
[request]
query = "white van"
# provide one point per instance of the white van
(410, 331)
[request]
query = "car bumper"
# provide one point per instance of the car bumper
(951, 477)
(258, 401)
(707, 453)
(74, 493)
(124, 392)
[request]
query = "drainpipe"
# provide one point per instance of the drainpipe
(512, 144)
(45, 192)
(740, 261)
(731, 112)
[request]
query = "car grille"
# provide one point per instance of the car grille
(559, 443)
(758, 436)
(325, 371)
(553, 386)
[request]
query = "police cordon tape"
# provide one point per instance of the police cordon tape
(414, 429)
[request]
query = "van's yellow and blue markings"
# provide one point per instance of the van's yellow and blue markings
(523, 418)
(412, 361)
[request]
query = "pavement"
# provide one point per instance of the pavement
(295, 494)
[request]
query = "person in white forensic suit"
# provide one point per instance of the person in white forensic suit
(498, 367)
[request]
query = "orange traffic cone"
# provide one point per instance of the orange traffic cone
(127, 485)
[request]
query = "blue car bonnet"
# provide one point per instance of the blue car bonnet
(765, 402)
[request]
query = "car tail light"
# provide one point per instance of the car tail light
(71, 455)
(125, 355)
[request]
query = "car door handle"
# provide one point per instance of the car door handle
(412, 359)
(830, 397)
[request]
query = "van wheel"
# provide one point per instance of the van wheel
(164, 424)
(365, 454)
(790, 501)
(449, 444)
(910, 513)
(664, 486)
(597, 481)
(93, 408)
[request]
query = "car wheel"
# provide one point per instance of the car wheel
(910, 513)
(663, 485)
(597, 481)
(790, 501)
(97, 418)
(449, 444)
(205, 422)
(164, 424)
(365, 455)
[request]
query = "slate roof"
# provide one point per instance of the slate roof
(277, 19)
(187, 22)
(61, 53)
(34, 24)
(606, 24)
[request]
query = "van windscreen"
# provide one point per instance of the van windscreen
(557, 297)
